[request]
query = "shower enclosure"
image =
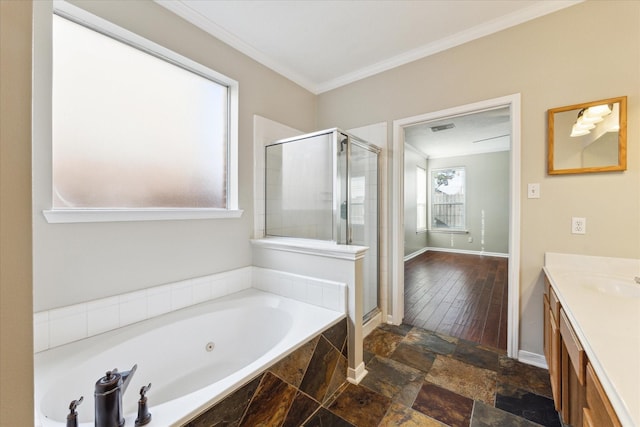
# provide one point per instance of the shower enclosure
(324, 186)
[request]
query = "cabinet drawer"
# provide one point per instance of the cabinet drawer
(573, 346)
(599, 411)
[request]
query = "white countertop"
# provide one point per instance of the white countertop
(607, 325)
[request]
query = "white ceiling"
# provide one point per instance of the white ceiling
(324, 44)
(474, 133)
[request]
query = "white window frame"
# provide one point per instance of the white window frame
(421, 199)
(145, 214)
(463, 227)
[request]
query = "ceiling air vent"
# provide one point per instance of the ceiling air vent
(442, 127)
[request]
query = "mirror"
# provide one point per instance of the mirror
(589, 137)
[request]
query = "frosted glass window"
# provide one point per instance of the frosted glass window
(132, 130)
(421, 199)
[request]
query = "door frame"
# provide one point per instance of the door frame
(397, 210)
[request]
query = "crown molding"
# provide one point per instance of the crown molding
(537, 10)
(479, 31)
(196, 18)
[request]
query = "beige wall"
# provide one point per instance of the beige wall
(16, 345)
(486, 200)
(81, 262)
(587, 52)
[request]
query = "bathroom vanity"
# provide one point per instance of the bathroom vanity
(592, 338)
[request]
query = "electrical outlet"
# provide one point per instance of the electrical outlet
(578, 225)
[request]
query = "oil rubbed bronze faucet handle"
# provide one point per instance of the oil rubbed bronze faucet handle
(74, 404)
(72, 418)
(144, 417)
(144, 390)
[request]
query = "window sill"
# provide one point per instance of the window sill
(449, 231)
(64, 216)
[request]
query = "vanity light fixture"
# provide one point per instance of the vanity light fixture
(588, 117)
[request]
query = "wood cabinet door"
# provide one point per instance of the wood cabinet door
(547, 329)
(554, 361)
(573, 377)
(599, 411)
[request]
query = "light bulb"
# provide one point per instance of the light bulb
(577, 131)
(581, 124)
(598, 111)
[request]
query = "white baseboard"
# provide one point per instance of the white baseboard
(533, 359)
(456, 251)
(415, 254)
(463, 251)
(354, 376)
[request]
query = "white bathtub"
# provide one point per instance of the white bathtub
(249, 331)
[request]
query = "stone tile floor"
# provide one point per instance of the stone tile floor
(420, 378)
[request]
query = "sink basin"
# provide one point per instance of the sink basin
(615, 286)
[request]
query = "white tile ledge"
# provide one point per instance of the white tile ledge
(312, 247)
(59, 326)
(62, 216)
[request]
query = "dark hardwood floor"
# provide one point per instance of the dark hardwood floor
(460, 295)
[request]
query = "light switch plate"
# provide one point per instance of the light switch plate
(533, 191)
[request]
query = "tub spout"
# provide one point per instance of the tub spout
(126, 377)
(108, 397)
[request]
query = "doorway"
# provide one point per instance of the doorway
(458, 295)
(452, 231)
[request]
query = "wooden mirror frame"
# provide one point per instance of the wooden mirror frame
(622, 138)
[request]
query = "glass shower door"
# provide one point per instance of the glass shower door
(363, 217)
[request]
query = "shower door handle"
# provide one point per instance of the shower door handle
(350, 235)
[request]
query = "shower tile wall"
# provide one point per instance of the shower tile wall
(291, 390)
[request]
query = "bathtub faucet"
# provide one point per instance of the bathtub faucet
(108, 395)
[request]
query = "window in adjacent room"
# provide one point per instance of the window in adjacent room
(448, 199)
(136, 126)
(421, 199)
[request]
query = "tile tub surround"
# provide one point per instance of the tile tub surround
(407, 385)
(60, 326)
(607, 326)
(290, 391)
